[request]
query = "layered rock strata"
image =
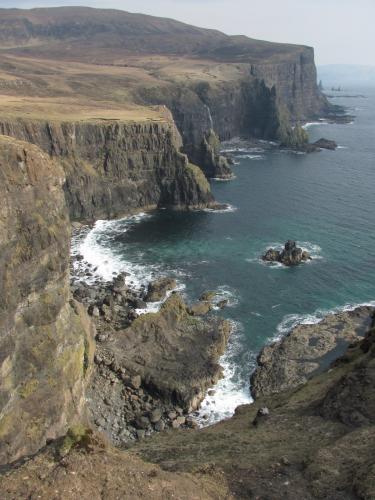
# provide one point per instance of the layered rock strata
(45, 337)
(112, 168)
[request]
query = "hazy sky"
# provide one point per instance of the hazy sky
(342, 31)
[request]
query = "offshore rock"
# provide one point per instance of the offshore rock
(307, 351)
(290, 256)
(319, 145)
(45, 337)
(326, 144)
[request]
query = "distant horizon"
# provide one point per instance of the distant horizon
(299, 22)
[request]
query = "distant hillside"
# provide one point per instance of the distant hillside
(81, 63)
(83, 33)
(347, 75)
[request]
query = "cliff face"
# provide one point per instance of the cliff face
(112, 168)
(295, 82)
(268, 96)
(44, 337)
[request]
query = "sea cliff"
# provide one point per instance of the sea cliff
(113, 167)
(46, 338)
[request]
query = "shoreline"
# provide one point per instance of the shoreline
(207, 414)
(86, 285)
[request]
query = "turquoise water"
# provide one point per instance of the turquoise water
(325, 201)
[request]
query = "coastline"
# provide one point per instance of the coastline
(91, 286)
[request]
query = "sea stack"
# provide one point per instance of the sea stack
(291, 255)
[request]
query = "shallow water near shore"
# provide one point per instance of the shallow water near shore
(324, 200)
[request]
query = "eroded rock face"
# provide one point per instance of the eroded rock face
(45, 338)
(290, 256)
(158, 289)
(307, 351)
(112, 168)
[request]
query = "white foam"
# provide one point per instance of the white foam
(232, 390)
(251, 157)
(102, 256)
(95, 246)
(220, 179)
(225, 292)
(227, 209)
(314, 124)
(238, 145)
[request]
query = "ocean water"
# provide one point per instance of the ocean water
(325, 201)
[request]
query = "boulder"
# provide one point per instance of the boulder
(119, 283)
(157, 290)
(142, 422)
(136, 382)
(155, 416)
(159, 426)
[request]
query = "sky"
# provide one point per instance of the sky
(341, 31)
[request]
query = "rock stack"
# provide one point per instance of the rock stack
(291, 255)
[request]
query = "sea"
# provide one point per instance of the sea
(325, 201)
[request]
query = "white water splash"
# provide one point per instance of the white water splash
(232, 390)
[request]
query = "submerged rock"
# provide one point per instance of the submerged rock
(290, 256)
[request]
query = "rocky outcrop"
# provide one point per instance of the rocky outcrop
(151, 370)
(45, 337)
(307, 351)
(290, 256)
(325, 144)
(114, 167)
(150, 375)
(158, 289)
